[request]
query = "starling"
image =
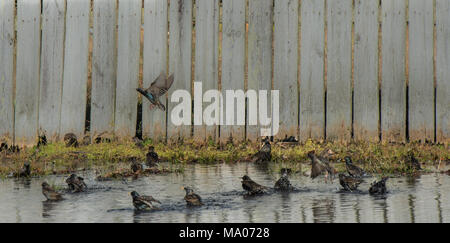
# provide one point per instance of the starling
(143, 202)
(157, 89)
(50, 193)
(191, 198)
(252, 187)
(76, 183)
(352, 169)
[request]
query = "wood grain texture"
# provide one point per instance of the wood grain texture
(393, 85)
(206, 59)
(233, 67)
(52, 54)
(6, 69)
(339, 76)
(27, 75)
(103, 67)
(180, 60)
(366, 95)
(312, 95)
(286, 64)
(128, 53)
(155, 62)
(76, 51)
(421, 77)
(443, 71)
(259, 55)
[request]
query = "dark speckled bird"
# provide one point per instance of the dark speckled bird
(412, 162)
(352, 169)
(50, 193)
(157, 89)
(264, 154)
(143, 202)
(42, 140)
(252, 187)
(3, 146)
(191, 198)
(378, 188)
(136, 167)
(25, 171)
(76, 183)
(70, 139)
(349, 183)
(320, 166)
(283, 184)
(152, 157)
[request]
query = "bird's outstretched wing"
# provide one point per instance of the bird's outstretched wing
(161, 85)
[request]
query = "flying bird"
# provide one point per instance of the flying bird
(191, 198)
(158, 88)
(143, 202)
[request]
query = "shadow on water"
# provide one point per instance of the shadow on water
(410, 199)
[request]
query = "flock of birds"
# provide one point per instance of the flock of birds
(320, 165)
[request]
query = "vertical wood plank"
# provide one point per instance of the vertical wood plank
(443, 71)
(103, 67)
(421, 78)
(366, 95)
(180, 59)
(6, 69)
(128, 53)
(339, 83)
(52, 50)
(312, 107)
(233, 66)
(27, 77)
(206, 57)
(76, 51)
(259, 53)
(393, 86)
(286, 64)
(155, 62)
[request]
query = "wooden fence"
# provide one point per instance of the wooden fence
(345, 69)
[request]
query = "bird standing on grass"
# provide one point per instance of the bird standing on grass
(50, 193)
(143, 202)
(252, 187)
(70, 140)
(151, 157)
(25, 171)
(191, 198)
(264, 154)
(157, 89)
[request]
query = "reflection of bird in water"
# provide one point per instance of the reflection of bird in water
(152, 157)
(50, 193)
(252, 187)
(143, 202)
(283, 184)
(320, 165)
(76, 183)
(378, 188)
(157, 89)
(352, 169)
(323, 210)
(47, 207)
(349, 183)
(264, 154)
(191, 198)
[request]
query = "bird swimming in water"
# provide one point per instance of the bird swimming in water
(252, 187)
(320, 165)
(157, 89)
(143, 202)
(378, 188)
(349, 183)
(264, 154)
(151, 157)
(352, 169)
(50, 193)
(76, 183)
(283, 184)
(191, 198)
(70, 139)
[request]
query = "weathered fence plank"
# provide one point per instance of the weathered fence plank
(6, 69)
(339, 71)
(259, 58)
(366, 95)
(103, 67)
(27, 77)
(155, 62)
(233, 68)
(443, 70)
(312, 107)
(286, 64)
(73, 107)
(421, 78)
(128, 53)
(393, 85)
(180, 61)
(52, 50)
(206, 61)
